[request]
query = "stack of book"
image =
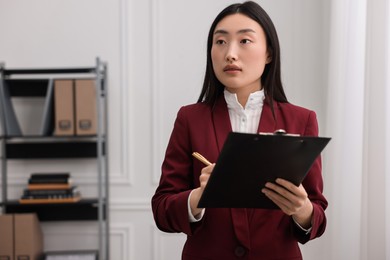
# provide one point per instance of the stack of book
(50, 188)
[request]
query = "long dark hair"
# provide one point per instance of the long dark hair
(271, 78)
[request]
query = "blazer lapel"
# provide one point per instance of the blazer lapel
(267, 122)
(221, 121)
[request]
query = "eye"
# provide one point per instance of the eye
(220, 42)
(245, 41)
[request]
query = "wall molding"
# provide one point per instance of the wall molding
(126, 173)
(157, 117)
(157, 242)
(123, 232)
(130, 205)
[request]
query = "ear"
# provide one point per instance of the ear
(269, 59)
(269, 55)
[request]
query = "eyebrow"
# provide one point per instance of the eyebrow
(221, 31)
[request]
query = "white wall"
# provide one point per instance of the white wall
(156, 52)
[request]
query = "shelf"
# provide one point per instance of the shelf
(51, 150)
(40, 84)
(27, 87)
(85, 209)
(50, 201)
(51, 147)
(8, 72)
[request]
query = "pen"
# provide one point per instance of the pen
(201, 158)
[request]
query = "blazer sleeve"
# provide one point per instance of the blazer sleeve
(169, 203)
(313, 184)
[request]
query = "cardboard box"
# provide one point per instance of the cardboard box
(64, 107)
(22, 239)
(85, 107)
(6, 237)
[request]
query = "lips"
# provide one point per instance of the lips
(231, 68)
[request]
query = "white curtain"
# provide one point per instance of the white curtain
(357, 161)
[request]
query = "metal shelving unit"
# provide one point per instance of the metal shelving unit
(33, 83)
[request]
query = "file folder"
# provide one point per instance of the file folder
(7, 113)
(86, 107)
(248, 161)
(6, 237)
(47, 117)
(64, 107)
(28, 237)
(20, 237)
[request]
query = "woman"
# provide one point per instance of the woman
(242, 92)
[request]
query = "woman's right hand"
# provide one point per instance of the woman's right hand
(197, 193)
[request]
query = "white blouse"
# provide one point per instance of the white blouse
(245, 119)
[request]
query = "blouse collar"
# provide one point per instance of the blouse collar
(255, 100)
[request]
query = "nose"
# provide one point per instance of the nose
(230, 58)
(231, 54)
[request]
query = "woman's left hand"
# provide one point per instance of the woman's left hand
(291, 199)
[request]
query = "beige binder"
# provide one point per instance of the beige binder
(85, 107)
(20, 237)
(6, 237)
(28, 237)
(64, 107)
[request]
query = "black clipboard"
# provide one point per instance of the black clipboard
(248, 161)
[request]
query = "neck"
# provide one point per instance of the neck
(242, 98)
(243, 94)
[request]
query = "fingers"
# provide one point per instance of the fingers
(288, 185)
(205, 175)
(286, 195)
(279, 200)
(288, 189)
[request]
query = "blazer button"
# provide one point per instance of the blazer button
(239, 251)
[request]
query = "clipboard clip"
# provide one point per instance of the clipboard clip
(278, 132)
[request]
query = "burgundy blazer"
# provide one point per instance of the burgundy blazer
(227, 233)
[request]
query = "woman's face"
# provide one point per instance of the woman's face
(239, 53)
